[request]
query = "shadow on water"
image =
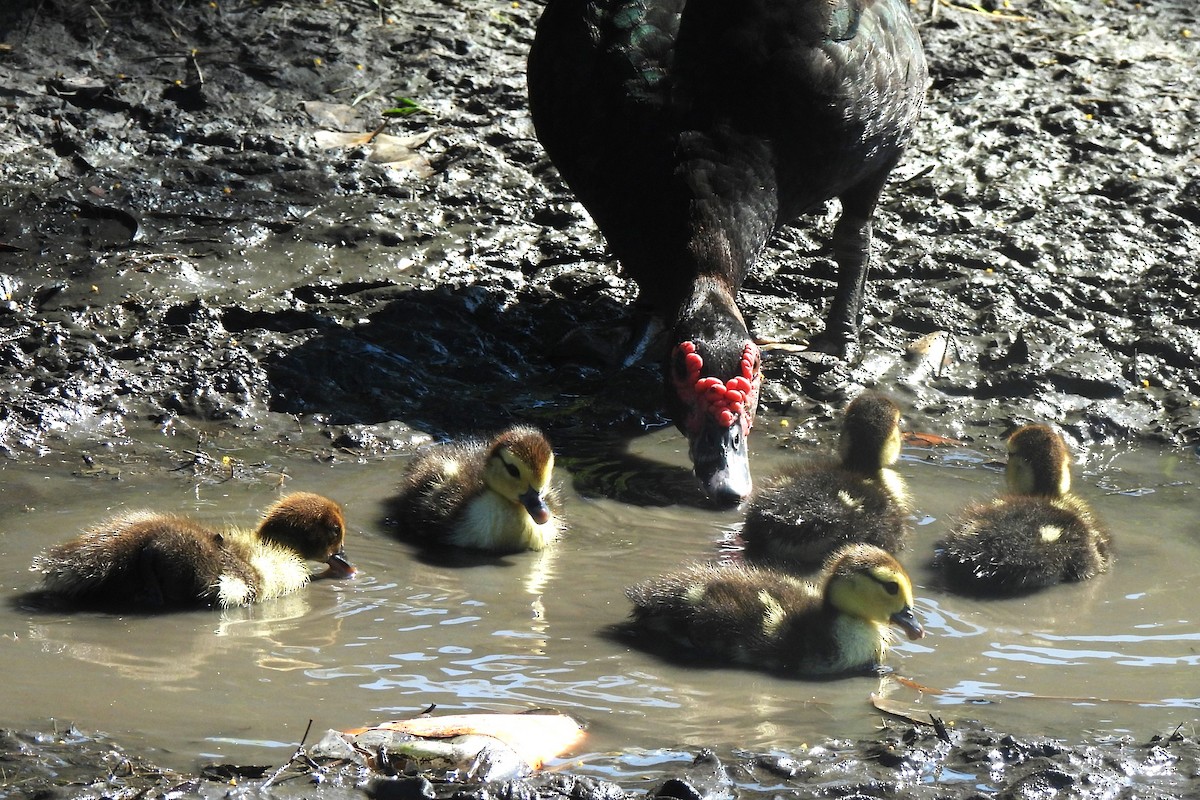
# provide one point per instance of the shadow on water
(455, 362)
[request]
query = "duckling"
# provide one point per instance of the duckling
(769, 619)
(1036, 535)
(809, 510)
(142, 558)
(489, 495)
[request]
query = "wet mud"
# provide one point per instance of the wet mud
(904, 761)
(214, 240)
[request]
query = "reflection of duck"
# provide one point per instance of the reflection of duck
(808, 511)
(691, 132)
(488, 495)
(1036, 535)
(769, 619)
(148, 559)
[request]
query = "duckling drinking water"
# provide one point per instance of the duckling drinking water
(809, 510)
(1036, 535)
(152, 560)
(489, 495)
(771, 620)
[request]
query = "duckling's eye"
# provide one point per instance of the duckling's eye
(512, 469)
(891, 587)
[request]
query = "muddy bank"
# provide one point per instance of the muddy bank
(904, 762)
(192, 242)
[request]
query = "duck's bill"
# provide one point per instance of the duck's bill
(721, 460)
(535, 504)
(339, 567)
(906, 621)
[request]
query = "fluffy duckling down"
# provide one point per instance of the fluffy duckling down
(489, 495)
(1036, 535)
(152, 560)
(771, 620)
(809, 510)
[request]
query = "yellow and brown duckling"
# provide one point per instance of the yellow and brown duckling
(809, 510)
(489, 495)
(152, 560)
(769, 619)
(1036, 535)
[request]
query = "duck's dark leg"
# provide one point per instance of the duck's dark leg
(852, 251)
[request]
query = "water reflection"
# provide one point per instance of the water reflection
(529, 629)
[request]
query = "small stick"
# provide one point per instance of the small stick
(295, 756)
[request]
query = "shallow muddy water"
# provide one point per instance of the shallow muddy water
(1111, 656)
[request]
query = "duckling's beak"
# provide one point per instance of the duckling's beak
(906, 620)
(721, 459)
(339, 567)
(536, 506)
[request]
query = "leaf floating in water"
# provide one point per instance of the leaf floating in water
(919, 439)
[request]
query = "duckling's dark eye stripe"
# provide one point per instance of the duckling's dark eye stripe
(889, 585)
(512, 468)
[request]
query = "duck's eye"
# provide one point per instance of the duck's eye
(512, 469)
(891, 587)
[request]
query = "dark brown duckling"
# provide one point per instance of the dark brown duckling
(771, 620)
(809, 510)
(153, 560)
(1036, 535)
(489, 495)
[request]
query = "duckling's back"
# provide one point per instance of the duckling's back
(139, 559)
(724, 611)
(743, 114)
(809, 511)
(1020, 544)
(437, 486)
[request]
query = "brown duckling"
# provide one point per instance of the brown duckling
(809, 510)
(142, 558)
(1036, 535)
(489, 495)
(769, 619)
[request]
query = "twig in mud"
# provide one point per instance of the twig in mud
(296, 756)
(983, 12)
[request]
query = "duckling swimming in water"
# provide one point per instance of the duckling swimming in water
(809, 510)
(769, 619)
(1036, 535)
(152, 560)
(489, 495)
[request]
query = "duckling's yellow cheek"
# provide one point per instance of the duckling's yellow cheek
(1050, 533)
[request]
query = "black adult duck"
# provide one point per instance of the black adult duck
(691, 130)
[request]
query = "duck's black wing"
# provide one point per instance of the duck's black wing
(691, 128)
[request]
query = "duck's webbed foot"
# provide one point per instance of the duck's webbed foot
(841, 346)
